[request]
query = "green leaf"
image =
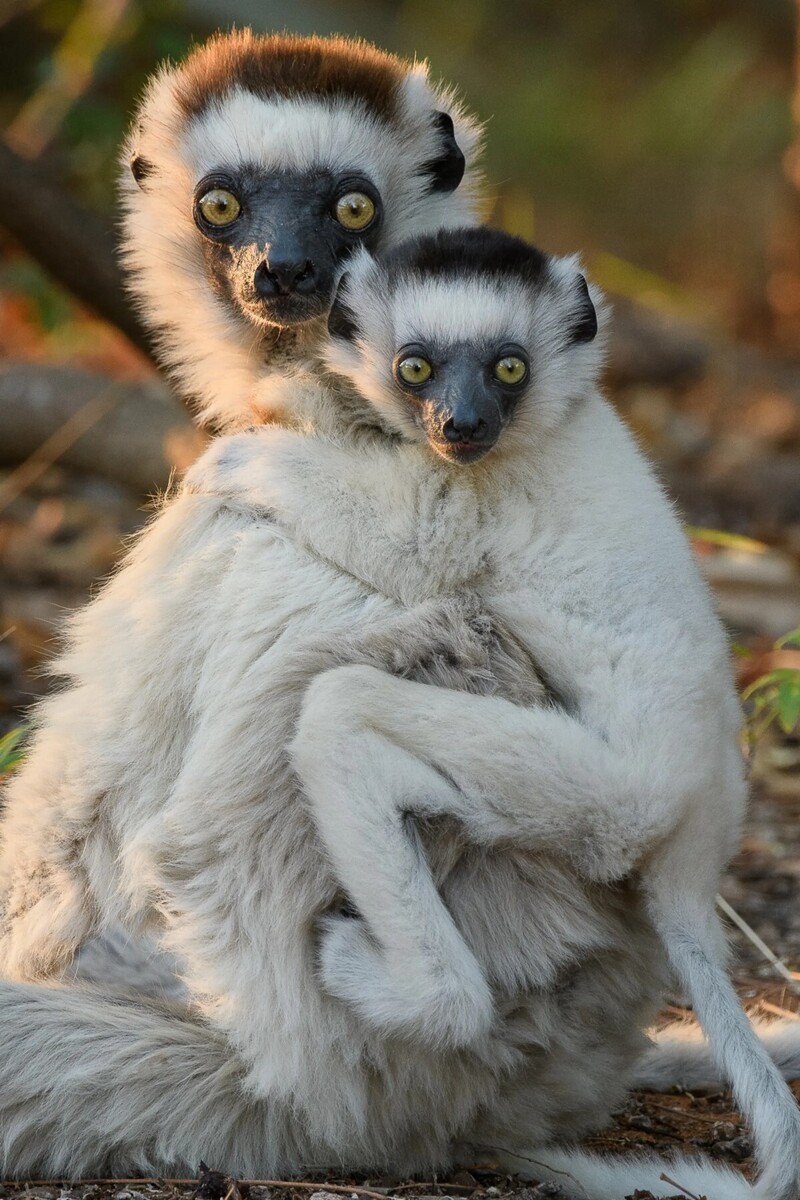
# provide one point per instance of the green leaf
(778, 676)
(10, 752)
(730, 541)
(789, 639)
(787, 704)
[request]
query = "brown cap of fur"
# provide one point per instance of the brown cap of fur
(286, 65)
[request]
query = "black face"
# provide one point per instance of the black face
(463, 396)
(275, 243)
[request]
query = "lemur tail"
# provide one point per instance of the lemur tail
(583, 1176)
(689, 935)
(95, 1085)
(680, 1056)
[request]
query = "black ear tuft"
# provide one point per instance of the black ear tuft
(341, 319)
(584, 327)
(446, 170)
(141, 168)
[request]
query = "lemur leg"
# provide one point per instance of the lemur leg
(372, 746)
(503, 774)
(46, 904)
(407, 969)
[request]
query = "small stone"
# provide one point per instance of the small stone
(723, 1131)
(463, 1179)
(738, 1149)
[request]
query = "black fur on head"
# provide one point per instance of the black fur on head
(471, 251)
(477, 251)
(585, 327)
(446, 171)
(141, 168)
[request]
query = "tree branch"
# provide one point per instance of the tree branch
(69, 241)
(133, 433)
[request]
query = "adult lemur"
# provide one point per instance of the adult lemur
(161, 789)
(252, 171)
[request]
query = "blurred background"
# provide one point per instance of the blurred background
(661, 138)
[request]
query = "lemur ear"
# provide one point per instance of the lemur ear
(584, 325)
(341, 319)
(141, 168)
(446, 170)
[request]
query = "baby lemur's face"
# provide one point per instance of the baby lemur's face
(463, 394)
(469, 339)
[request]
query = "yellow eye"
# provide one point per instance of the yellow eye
(414, 369)
(355, 210)
(219, 207)
(510, 369)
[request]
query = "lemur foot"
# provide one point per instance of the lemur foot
(450, 1005)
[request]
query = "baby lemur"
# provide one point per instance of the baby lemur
(415, 921)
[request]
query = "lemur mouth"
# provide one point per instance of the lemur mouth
(289, 309)
(462, 453)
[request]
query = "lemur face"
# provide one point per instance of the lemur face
(462, 393)
(469, 339)
(275, 242)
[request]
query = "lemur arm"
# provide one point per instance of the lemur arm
(381, 511)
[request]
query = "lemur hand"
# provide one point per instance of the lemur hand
(262, 467)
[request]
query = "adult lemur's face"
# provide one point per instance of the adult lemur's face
(275, 241)
(278, 212)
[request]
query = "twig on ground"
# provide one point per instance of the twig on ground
(778, 1011)
(687, 1116)
(680, 1187)
(296, 1184)
(759, 944)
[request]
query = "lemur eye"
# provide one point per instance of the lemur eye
(355, 211)
(510, 369)
(219, 207)
(413, 369)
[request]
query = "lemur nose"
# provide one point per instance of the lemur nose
(278, 278)
(466, 430)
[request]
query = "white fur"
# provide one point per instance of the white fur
(665, 805)
(680, 1057)
(160, 791)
